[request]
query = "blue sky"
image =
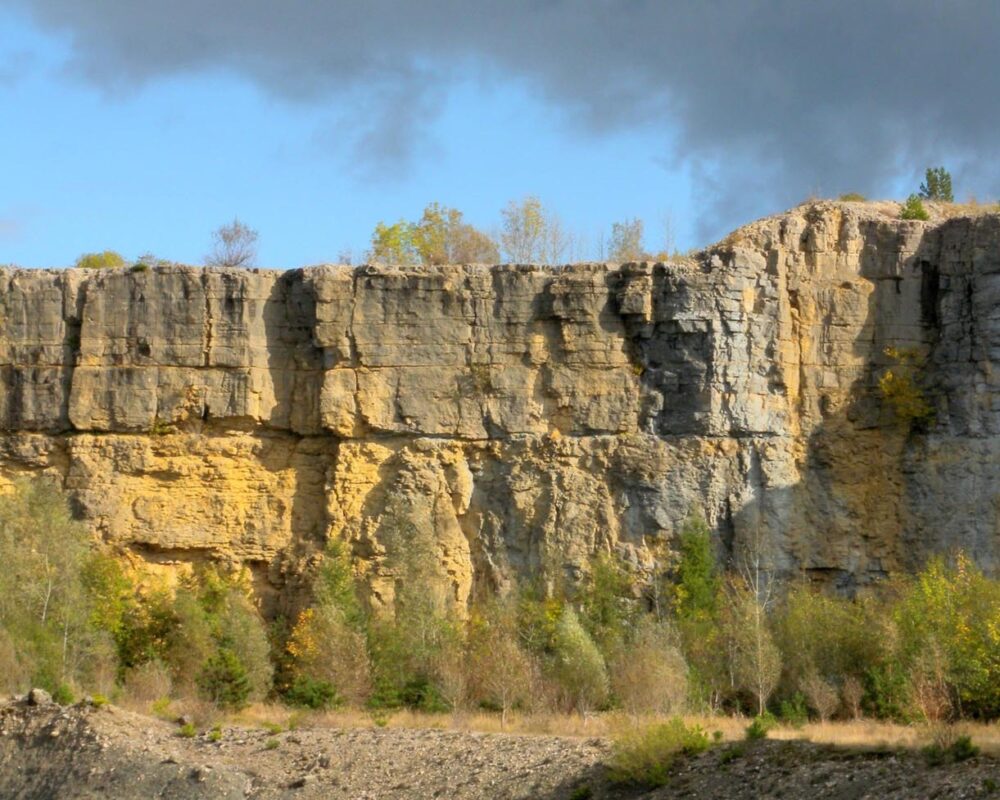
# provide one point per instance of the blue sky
(123, 133)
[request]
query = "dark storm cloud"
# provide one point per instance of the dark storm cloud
(771, 99)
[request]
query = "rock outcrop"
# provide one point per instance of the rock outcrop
(519, 419)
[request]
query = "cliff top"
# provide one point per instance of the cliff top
(870, 211)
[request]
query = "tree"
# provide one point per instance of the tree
(234, 245)
(472, 246)
(393, 244)
(503, 672)
(756, 659)
(950, 638)
(531, 234)
(59, 601)
(696, 586)
(579, 666)
(523, 230)
(626, 241)
(650, 676)
(557, 245)
(750, 593)
(669, 231)
(607, 605)
(325, 648)
(223, 680)
(937, 185)
(408, 645)
(440, 236)
(328, 643)
(107, 259)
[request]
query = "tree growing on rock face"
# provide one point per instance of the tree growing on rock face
(233, 245)
(937, 185)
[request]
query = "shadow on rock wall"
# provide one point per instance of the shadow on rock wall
(878, 495)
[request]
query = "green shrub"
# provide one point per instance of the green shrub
(964, 749)
(913, 208)
(794, 711)
(98, 701)
(578, 666)
(696, 586)
(63, 694)
(761, 726)
(732, 753)
(583, 792)
(272, 727)
(422, 694)
(385, 696)
(900, 389)
(187, 730)
(161, 708)
(223, 680)
(307, 692)
(853, 197)
(644, 756)
(272, 744)
(607, 603)
(961, 749)
(108, 259)
(950, 639)
(215, 735)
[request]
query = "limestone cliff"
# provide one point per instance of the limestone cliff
(525, 418)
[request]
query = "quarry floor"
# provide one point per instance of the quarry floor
(81, 751)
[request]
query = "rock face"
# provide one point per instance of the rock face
(516, 420)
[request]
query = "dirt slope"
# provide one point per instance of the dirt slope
(80, 751)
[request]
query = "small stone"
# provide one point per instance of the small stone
(200, 774)
(39, 697)
(302, 782)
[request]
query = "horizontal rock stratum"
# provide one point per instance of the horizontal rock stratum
(525, 418)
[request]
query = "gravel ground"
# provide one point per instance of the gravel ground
(49, 751)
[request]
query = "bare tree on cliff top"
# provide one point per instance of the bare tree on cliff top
(233, 245)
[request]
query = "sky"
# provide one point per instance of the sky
(143, 126)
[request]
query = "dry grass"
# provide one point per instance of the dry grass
(970, 208)
(860, 734)
(871, 734)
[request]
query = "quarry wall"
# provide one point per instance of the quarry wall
(525, 418)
